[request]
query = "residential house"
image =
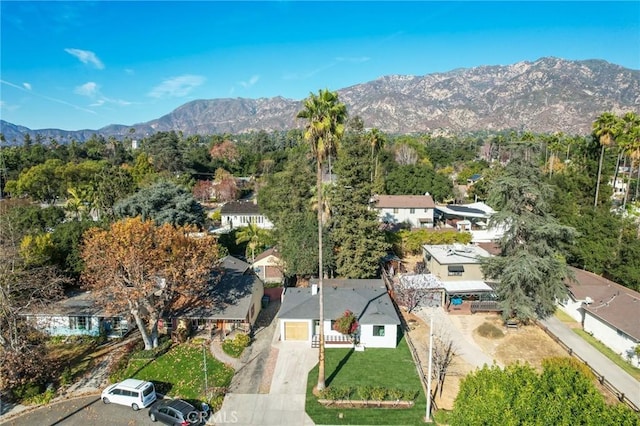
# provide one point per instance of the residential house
(416, 210)
(236, 214)
(268, 266)
(233, 300)
(458, 268)
(367, 299)
(80, 314)
(606, 310)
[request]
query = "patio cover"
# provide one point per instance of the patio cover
(453, 287)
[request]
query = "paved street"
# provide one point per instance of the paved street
(88, 410)
(600, 363)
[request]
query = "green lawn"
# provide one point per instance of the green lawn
(635, 372)
(179, 373)
(391, 368)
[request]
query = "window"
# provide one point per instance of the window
(426, 210)
(455, 270)
(395, 211)
(378, 330)
(79, 323)
(412, 211)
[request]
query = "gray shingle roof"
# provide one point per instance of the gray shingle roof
(371, 305)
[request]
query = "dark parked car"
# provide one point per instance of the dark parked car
(177, 412)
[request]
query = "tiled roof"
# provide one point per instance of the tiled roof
(404, 201)
(273, 251)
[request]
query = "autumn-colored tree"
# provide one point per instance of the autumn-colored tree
(225, 187)
(149, 271)
(202, 190)
(225, 150)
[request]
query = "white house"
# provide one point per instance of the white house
(416, 210)
(79, 314)
(236, 214)
(606, 310)
(367, 299)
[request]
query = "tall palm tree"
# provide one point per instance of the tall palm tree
(325, 117)
(630, 146)
(605, 128)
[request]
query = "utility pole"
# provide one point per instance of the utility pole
(430, 368)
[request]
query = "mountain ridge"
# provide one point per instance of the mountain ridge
(547, 95)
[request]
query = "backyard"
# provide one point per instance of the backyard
(386, 368)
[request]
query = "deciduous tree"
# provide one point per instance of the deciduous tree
(150, 270)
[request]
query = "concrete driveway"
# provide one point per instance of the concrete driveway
(284, 405)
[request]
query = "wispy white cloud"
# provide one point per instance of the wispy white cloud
(92, 90)
(129, 71)
(336, 61)
(353, 59)
(86, 57)
(26, 86)
(89, 89)
(253, 80)
(177, 87)
(8, 107)
(49, 98)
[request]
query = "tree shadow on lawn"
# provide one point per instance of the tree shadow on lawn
(341, 364)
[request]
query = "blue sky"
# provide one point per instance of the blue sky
(79, 65)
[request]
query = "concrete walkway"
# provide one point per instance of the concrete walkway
(462, 338)
(620, 379)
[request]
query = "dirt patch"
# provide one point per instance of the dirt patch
(526, 344)
(459, 368)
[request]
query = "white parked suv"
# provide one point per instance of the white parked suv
(134, 393)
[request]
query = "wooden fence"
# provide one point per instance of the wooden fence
(405, 328)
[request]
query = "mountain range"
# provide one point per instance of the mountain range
(546, 95)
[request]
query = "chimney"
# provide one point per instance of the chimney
(314, 289)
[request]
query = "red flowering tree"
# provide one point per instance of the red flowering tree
(347, 323)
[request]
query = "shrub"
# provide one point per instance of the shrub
(163, 347)
(378, 393)
(215, 402)
(395, 394)
(347, 323)
(234, 347)
(409, 395)
(364, 392)
(41, 398)
(27, 391)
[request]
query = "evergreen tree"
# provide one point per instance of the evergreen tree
(359, 243)
(530, 271)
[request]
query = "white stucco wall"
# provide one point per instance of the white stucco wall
(572, 308)
(235, 220)
(370, 341)
(616, 340)
(405, 215)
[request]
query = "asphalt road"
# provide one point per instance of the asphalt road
(83, 411)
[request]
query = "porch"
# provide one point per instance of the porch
(332, 341)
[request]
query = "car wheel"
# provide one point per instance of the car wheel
(135, 407)
(152, 417)
(105, 400)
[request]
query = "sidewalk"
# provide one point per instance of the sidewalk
(620, 379)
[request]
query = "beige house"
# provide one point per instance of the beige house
(268, 266)
(458, 268)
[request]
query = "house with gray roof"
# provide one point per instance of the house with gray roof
(367, 299)
(233, 300)
(606, 310)
(79, 314)
(236, 214)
